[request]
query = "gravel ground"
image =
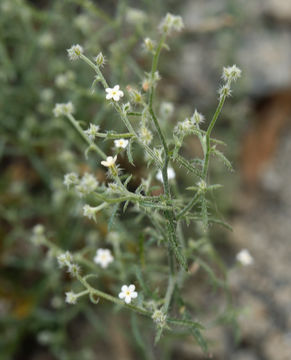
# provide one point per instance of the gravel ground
(264, 288)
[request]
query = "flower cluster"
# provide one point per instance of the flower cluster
(63, 109)
(71, 297)
(89, 211)
(159, 317)
(171, 23)
(229, 74)
(63, 80)
(146, 135)
(86, 185)
(92, 131)
(38, 236)
(66, 260)
(71, 179)
(75, 52)
(184, 128)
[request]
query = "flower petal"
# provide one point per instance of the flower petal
(121, 295)
(127, 299)
(134, 294)
(124, 288)
(131, 287)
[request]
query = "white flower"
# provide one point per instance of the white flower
(231, 73)
(127, 293)
(87, 185)
(103, 257)
(109, 162)
(71, 179)
(71, 298)
(171, 23)
(92, 131)
(63, 109)
(171, 174)
(244, 257)
(114, 93)
(75, 52)
(65, 259)
(89, 212)
(121, 143)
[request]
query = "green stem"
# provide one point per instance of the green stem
(189, 206)
(78, 128)
(207, 136)
(115, 136)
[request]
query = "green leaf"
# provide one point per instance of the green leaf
(175, 246)
(215, 280)
(136, 333)
(200, 339)
(127, 180)
(125, 206)
(129, 152)
(158, 335)
(184, 162)
(186, 322)
(204, 211)
(220, 155)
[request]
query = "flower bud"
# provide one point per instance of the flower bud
(100, 59)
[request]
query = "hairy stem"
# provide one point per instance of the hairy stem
(78, 128)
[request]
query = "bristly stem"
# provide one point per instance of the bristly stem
(80, 131)
(208, 134)
(206, 148)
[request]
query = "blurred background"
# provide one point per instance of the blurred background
(36, 150)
